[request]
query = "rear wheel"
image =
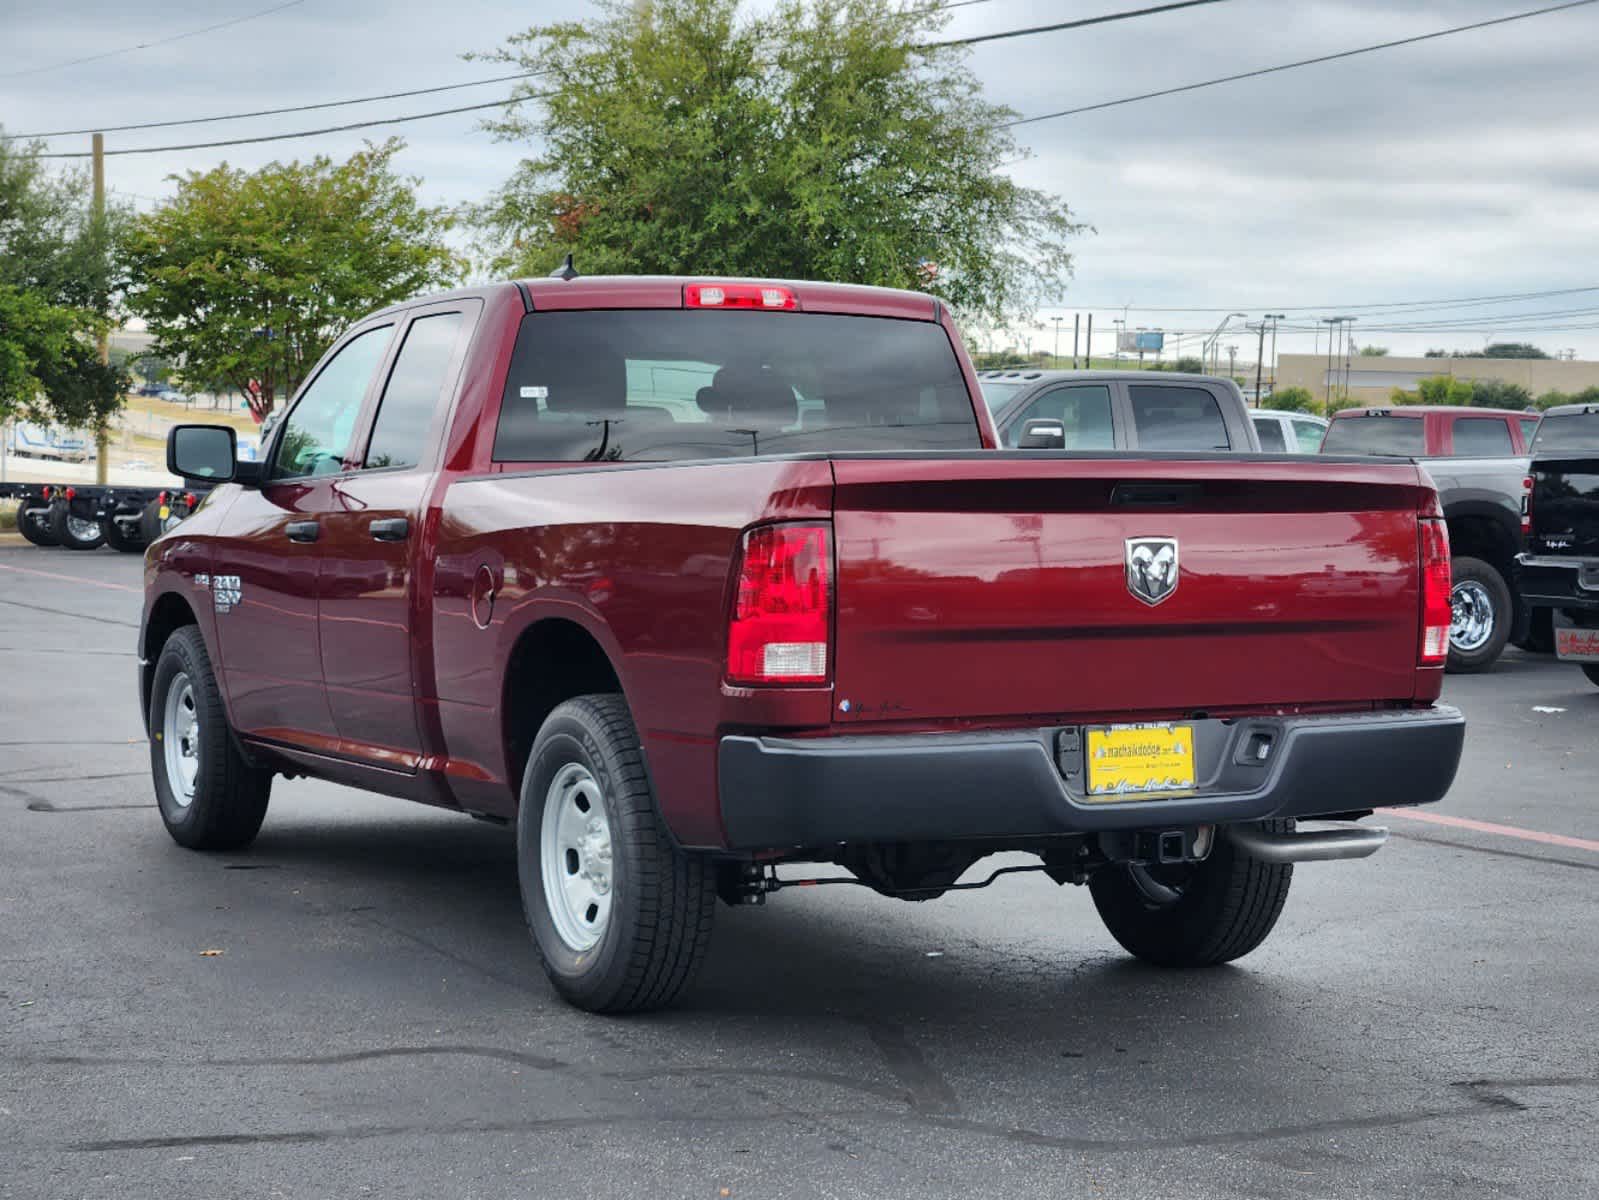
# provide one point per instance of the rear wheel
(73, 531)
(127, 538)
(33, 523)
(1480, 607)
(210, 797)
(621, 917)
(1194, 914)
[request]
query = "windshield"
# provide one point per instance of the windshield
(661, 384)
(1403, 437)
(997, 393)
(1569, 431)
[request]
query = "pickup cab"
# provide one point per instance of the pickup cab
(1560, 566)
(1117, 410)
(695, 580)
(1478, 459)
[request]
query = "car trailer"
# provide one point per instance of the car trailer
(79, 516)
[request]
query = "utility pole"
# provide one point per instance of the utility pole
(1232, 361)
(1273, 318)
(102, 444)
(1077, 328)
(1121, 324)
(1331, 323)
(1088, 344)
(1056, 356)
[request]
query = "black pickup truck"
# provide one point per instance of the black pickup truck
(1559, 568)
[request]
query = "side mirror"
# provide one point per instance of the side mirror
(1042, 434)
(202, 452)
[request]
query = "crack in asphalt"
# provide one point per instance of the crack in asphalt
(77, 616)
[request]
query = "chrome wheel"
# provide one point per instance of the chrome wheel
(575, 857)
(180, 737)
(82, 530)
(1472, 616)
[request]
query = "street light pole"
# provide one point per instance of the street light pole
(1056, 355)
(1273, 318)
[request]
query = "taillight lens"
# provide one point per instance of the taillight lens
(1526, 507)
(1435, 585)
(740, 295)
(782, 611)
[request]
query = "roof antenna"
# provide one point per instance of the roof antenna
(565, 271)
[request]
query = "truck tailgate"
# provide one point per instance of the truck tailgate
(999, 586)
(1565, 506)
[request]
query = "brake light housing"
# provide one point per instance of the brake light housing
(1436, 609)
(780, 628)
(764, 296)
(1526, 507)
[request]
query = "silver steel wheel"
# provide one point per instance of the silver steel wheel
(180, 736)
(575, 857)
(82, 530)
(1471, 616)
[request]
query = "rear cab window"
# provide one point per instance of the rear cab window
(1402, 437)
(1308, 434)
(1563, 433)
(1482, 437)
(1167, 417)
(673, 384)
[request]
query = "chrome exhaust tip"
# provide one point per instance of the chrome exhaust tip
(1333, 840)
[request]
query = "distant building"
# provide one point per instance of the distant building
(1372, 379)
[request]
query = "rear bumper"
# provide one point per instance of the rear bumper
(1553, 581)
(815, 792)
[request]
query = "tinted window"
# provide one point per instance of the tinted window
(997, 393)
(1084, 411)
(316, 433)
(1308, 434)
(412, 394)
(1404, 437)
(1177, 418)
(1529, 427)
(682, 384)
(1570, 431)
(1270, 432)
(1482, 437)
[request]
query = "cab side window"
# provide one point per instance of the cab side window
(1083, 410)
(1177, 418)
(1270, 432)
(1482, 437)
(399, 435)
(316, 433)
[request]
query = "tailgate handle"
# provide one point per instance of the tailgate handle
(1154, 495)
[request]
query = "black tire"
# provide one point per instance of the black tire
(33, 523)
(150, 522)
(127, 543)
(662, 899)
(1225, 906)
(1467, 570)
(61, 530)
(230, 796)
(1540, 637)
(1592, 673)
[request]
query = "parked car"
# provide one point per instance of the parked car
(1560, 566)
(692, 578)
(1478, 458)
(1117, 410)
(1288, 432)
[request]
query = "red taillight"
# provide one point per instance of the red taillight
(161, 498)
(47, 493)
(71, 493)
(1526, 507)
(782, 612)
(189, 499)
(1435, 585)
(739, 295)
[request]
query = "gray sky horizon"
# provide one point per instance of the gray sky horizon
(1457, 168)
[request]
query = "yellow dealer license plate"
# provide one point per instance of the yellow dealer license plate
(1132, 762)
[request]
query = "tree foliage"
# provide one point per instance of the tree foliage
(1553, 399)
(1499, 393)
(1290, 399)
(820, 140)
(58, 277)
(249, 276)
(1512, 350)
(1374, 352)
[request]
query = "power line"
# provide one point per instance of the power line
(1305, 62)
(1078, 24)
(1390, 304)
(280, 137)
(273, 112)
(166, 41)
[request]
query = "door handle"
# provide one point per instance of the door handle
(390, 529)
(303, 531)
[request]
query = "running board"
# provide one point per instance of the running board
(1339, 839)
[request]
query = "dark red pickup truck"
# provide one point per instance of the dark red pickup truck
(693, 578)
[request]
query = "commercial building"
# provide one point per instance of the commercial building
(1370, 380)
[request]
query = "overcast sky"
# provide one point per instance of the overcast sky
(1461, 167)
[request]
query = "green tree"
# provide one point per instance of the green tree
(1510, 350)
(1374, 352)
(249, 276)
(58, 278)
(1437, 389)
(1553, 399)
(1499, 393)
(1290, 399)
(825, 140)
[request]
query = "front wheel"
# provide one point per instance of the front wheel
(72, 531)
(1480, 612)
(210, 797)
(620, 916)
(1194, 914)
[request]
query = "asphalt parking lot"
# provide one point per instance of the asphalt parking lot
(1422, 1023)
